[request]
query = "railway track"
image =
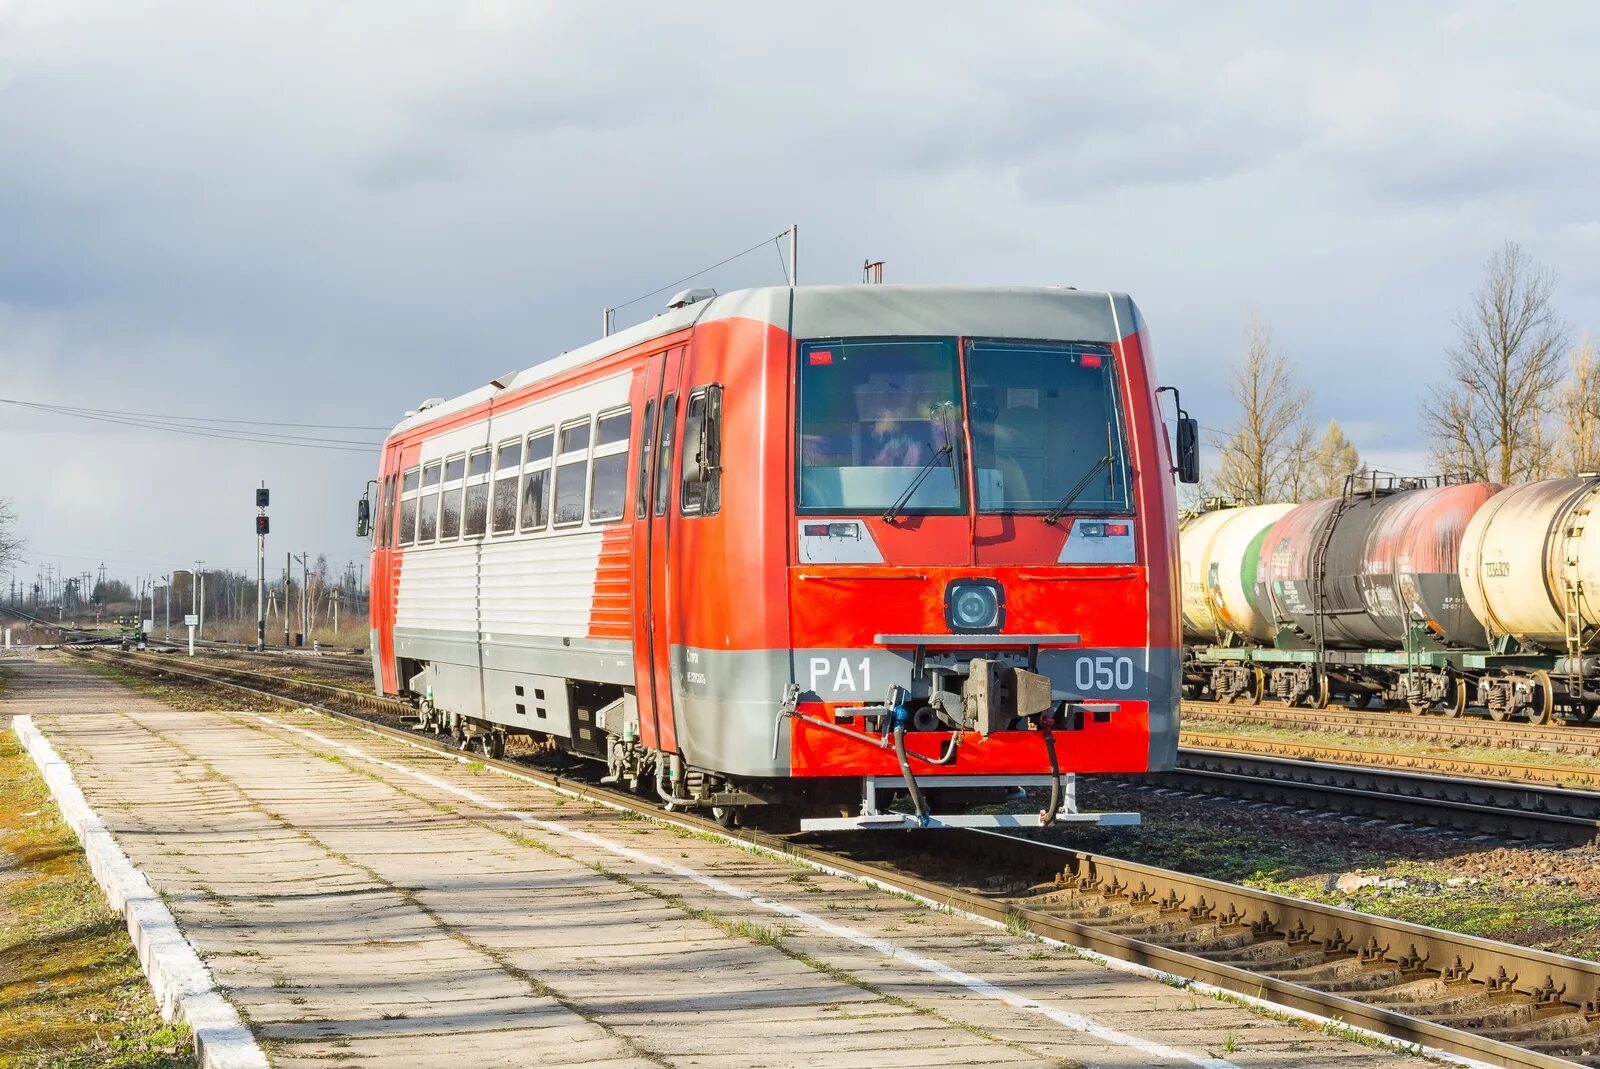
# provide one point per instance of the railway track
(1474, 807)
(1503, 1004)
(1463, 731)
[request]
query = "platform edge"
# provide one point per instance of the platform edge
(183, 986)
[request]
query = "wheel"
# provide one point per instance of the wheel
(458, 730)
(495, 745)
(1543, 709)
(1259, 678)
(725, 815)
(1416, 706)
(1457, 705)
(1321, 691)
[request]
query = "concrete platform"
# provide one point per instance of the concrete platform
(363, 901)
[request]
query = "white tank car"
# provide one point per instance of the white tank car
(1218, 554)
(1531, 553)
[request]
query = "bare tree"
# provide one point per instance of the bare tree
(1578, 410)
(1486, 419)
(1261, 456)
(11, 543)
(1330, 461)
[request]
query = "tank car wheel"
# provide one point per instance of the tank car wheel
(1415, 706)
(1321, 692)
(1457, 705)
(1543, 709)
(1258, 680)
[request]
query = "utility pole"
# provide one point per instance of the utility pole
(262, 526)
(288, 570)
(200, 583)
(166, 607)
(305, 597)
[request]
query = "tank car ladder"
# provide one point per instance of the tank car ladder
(1319, 580)
(1572, 611)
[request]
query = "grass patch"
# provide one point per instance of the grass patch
(71, 993)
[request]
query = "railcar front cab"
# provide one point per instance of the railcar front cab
(913, 453)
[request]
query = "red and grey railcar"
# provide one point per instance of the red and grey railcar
(1428, 595)
(785, 547)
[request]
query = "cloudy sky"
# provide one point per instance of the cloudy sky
(322, 214)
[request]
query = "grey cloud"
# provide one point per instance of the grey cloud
(328, 214)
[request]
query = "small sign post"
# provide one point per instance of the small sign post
(191, 620)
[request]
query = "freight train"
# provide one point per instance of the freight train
(781, 549)
(1427, 595)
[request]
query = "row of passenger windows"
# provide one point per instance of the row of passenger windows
(556, 477)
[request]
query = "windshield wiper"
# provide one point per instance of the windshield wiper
(942, 412)
(1104, 463)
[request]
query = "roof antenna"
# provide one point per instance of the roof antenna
(872, 272)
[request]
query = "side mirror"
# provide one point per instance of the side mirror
(363, 518)
(1188, 450)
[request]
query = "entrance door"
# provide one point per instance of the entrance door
(385, 562)
(658, 398)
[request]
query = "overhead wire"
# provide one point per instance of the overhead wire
(686, 278)
(165, 424)
(199, 419)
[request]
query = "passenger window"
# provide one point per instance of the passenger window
(450, 499)
(647, 437)
(430, 475)
(572, 464)
(474, 512)
(507, 466)
(408, 507)
(536, 481)
(669, 417)
(408, 521)
(701, 477)
(428, 516)
(608, 486)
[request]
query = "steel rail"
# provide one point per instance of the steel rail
(1480, 807)
(1467, 731)
(1529, 1007)
(1516, 772)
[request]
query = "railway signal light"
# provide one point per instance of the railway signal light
(262, 525)
(262, 497)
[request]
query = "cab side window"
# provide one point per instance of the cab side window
(701, 477)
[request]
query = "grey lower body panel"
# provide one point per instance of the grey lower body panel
(377, 661)
(516, 681)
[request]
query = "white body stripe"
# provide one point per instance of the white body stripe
(536, 583)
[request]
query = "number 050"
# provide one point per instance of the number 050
(1104, 673)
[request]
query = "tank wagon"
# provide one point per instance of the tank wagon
(1429, 595)
(776, 550)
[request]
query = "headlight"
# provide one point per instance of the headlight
(974, 605)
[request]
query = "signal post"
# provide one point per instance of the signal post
(262, 526)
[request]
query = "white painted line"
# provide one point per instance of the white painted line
(181, 982)
(977, 985)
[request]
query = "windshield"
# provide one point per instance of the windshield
(873, 413)
(1043, 415)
